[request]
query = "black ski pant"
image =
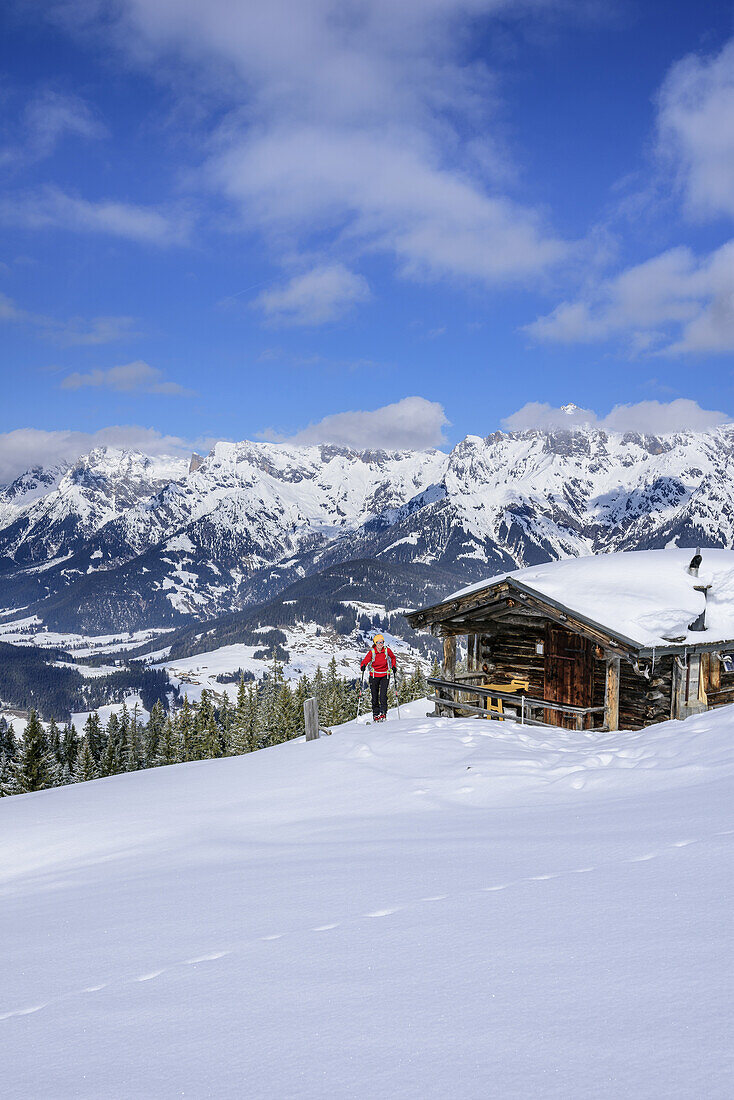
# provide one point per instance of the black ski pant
(378, 687)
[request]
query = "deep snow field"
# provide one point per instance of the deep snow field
(427, 908)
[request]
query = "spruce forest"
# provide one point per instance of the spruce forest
(267, 712)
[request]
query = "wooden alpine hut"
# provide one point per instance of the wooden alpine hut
(603, 642)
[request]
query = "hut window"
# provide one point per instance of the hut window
(539, 647)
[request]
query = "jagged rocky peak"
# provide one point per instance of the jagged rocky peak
(37, 481)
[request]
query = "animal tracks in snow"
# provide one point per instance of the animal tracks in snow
(213, 956)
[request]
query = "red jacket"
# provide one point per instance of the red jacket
(378, 659)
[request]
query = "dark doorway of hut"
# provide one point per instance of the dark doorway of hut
(569, 673)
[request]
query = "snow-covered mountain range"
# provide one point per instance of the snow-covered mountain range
(122, 540)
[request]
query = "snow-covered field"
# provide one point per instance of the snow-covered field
(429, 908)
(30, 631)
(309, 647)
(132, 700)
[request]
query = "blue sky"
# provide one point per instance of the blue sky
(247, 221)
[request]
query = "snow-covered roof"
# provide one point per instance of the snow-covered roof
(646, 596)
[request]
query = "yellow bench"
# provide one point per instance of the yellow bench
(515, 684)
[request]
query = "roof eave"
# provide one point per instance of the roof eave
(673, 649)
(620, 641)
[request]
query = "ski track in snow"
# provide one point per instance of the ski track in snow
(243, 945)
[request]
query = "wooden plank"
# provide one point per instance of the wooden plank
(449, 657)
(491, 716)
(714, 673)
(311, 718)
(611, 694)
(511, 697)
(678, 690)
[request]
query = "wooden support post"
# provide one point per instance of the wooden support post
(704, 678)
(311, 719)
(714, 683)
(471, 661)
(678, 688)
(449, 657)
(611, 694)
(449, 665)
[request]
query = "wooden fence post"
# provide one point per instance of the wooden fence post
(311, 719)
(449, 668)
(611, 694)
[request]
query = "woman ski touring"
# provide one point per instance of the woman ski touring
(381, 660)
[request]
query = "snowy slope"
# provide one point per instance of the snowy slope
(431, 908)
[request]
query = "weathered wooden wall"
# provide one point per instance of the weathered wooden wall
(511, 652)
(719, 684)
(643, 701)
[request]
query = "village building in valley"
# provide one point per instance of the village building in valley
(602, 642)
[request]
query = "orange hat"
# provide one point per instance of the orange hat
(379, 638)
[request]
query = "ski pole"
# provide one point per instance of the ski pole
(397, 686)
(359, 697)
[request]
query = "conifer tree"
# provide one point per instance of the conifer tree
(225, 718)
(8, 742)
(129, 731)
(35, 768)
(418, 686)
(113, 760)
(169, 745)
(252, 720)
(69, 746)
(86, 766)
(318, 689)
(332, 676)
(185, 723)
(284, 723)
(301, 693)
(239, 740)
(8, 782)
(266, 719)
(153, 731)
(402, 688)
(204, 727)
(94, 736)
(54, 742)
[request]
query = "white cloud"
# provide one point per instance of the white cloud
(384, 189)
(356, 123)
(672, 304)
(323, 294)
(24, 448)
(48, 118)
(74, 332)
(410, 424)
(135, 377)
(696, 130)
(645, 417)
(53, 207)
